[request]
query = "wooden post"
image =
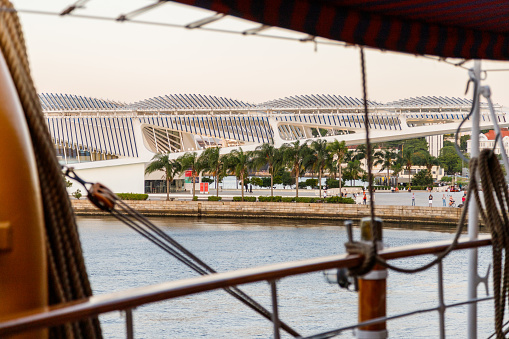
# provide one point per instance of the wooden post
(372, 288)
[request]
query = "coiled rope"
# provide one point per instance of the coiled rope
(495, 215)
(67, 274)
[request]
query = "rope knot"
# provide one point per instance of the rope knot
(367, 250)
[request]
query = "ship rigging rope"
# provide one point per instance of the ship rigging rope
(67, 275)
(107, 201)
(369, 251)
(495, 216)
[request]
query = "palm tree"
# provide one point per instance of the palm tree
(238, 163)
(407, 161)
(386, 159)
(320, 160)
(267, 154)
(396, 170)
(296, 156)
(353, 168)
(429, 162)
(161, 162)
(191, 161)
(339, 150)
(212, 162)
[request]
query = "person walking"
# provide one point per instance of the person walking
(364, 199)
(430, 200)
(413, 199)
(443, 201)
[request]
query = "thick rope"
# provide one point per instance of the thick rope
(67, 274)
(495, 216)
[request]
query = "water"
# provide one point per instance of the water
(118, 258)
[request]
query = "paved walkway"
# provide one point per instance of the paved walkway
(381, 198)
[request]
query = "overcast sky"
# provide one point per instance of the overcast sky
(129, 62)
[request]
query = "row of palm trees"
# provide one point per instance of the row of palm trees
(318, 157)
(297, 157)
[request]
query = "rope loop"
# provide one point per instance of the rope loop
(367, 250)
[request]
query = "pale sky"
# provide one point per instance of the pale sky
(130, 62)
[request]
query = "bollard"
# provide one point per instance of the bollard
(372, 288)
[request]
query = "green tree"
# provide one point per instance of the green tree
(450, 160)
(386, 159)
(170, 169)
(339, 152)
(238, 163)
(192, 162)
(296, 156)
(311, 183)
(407, 162)
(353, 170)
(463, 142)
(269, 155)
(212, 162)
(414, 145)
(396, 170)
(423, 178)
(321, 132)
(257, 181)
(320, 160)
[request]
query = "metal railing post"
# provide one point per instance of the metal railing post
(129, 326)
(275, 315)
(441, 304)
(473, 218)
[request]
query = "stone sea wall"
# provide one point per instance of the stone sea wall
(398, 214)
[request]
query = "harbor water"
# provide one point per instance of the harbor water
(117, 259)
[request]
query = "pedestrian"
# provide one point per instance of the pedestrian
(430, 200)
(463, 198)
(364, 199)
(413, 199)
(443, 201)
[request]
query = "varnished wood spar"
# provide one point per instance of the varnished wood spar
(129, 299)
(372, 288)
(372, 303)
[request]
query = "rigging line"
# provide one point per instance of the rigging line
(71, 8)
(157, 242)
(496, 70)
(336, 332)
(164, 24)
(140, 11)
(165, 247)
(165, 236)
(474, 103)
(106, 200)
(234, 291)
(374, 230)
(444, 60)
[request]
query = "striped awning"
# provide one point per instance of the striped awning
(469, 29)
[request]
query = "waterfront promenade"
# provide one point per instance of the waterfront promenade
(420, 214)
(382, 198)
